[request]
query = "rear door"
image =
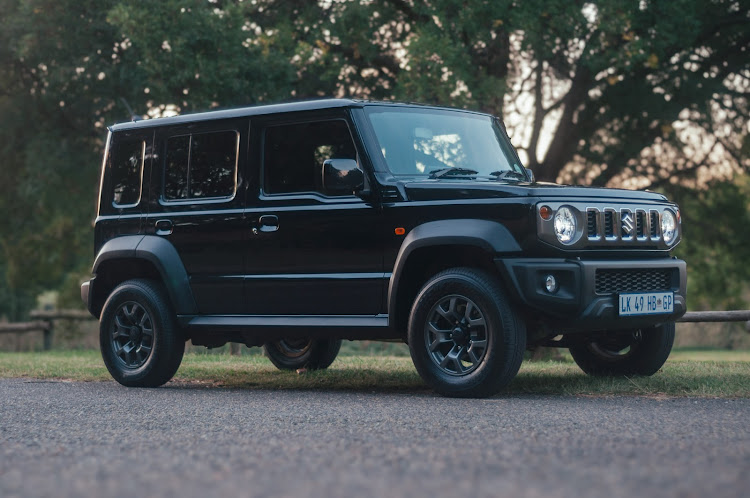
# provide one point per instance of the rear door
(197, 200)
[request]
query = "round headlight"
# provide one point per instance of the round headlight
(565, 225)
(668, 227)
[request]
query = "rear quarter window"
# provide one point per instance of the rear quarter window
(126, 166)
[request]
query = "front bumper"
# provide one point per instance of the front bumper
(578, 304)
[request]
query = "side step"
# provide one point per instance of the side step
(257, 329)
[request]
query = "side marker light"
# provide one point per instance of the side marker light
(545, 212)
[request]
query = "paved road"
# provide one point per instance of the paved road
(99, 439)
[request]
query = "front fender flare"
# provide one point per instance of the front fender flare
(490, 236)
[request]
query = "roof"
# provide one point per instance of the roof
(258, 110)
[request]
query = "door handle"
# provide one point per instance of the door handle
(268, 223)
(163, 227)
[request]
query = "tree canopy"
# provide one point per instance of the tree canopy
(643, 94)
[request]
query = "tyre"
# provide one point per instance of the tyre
(140, 342)
(637, 352)
(465, 339)
(293, 354)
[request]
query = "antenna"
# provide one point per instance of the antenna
(133, 115)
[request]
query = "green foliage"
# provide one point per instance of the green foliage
(716, 243)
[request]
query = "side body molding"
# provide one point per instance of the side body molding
(163, 256)
(487, 235)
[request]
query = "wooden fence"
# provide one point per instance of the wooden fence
(44, 321)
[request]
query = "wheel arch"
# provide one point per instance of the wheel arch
(435, 246)
(142, 256)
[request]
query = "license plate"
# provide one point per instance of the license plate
(649, 303)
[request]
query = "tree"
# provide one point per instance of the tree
(617, 89)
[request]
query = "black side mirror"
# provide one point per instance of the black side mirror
(530, 174)
(342, 176)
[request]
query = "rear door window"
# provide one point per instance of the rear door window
(201, 166)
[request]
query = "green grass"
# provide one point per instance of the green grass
(705, 373)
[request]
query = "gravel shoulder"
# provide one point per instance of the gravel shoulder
(100, 439)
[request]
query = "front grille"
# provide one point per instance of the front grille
(615, 281)
(637, 226)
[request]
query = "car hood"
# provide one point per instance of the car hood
(446, 189)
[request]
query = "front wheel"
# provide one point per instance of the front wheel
(465, 339)
(635, 352)
(292, 354)
(140, 342)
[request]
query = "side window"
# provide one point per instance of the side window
(201, 166)
(293, 154)
(126, 164)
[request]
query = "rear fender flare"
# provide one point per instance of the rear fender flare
(160, 253)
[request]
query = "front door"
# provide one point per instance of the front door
(309, 252)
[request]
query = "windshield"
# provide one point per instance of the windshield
(443, 143)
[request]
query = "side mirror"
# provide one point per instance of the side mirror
(530, 174)
(342, 176)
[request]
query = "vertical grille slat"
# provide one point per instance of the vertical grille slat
(593, 228)
(654, 224)
(609, 224)
(640, 224)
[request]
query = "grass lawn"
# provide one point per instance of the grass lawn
(698, 373)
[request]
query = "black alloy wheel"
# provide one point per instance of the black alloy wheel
(296, 353)
(464, 337)
(132, 335)
(456, 335)
(635, 352)
(141, 344)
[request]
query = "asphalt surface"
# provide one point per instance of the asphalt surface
(100, 439)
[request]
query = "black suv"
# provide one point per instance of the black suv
(294, 226)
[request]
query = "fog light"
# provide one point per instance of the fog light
(550, 284)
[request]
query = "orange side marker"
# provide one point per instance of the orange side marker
(400, 231)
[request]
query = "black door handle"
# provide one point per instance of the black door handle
(163, 227)
(268, 223)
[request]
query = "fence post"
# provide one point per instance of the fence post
(48, 332)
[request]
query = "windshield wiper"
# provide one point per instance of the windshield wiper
(439, 173)
(508, 174)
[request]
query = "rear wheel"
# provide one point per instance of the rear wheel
(293, 354)
(636, 352)
(140, 342)
(465, 339)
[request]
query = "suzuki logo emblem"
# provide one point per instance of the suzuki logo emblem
(627, 224)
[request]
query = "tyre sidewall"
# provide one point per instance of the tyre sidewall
(648, 357)
(282, 361)
(319, 355)
(498, 362)
(153, 371)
